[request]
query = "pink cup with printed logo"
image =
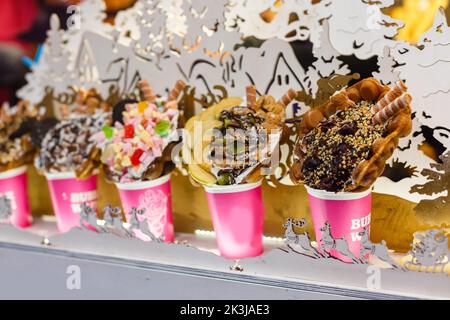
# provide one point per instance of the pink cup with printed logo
(238, 216)
(13, 185)
(347, 214)
(155, 198)
(67, 194)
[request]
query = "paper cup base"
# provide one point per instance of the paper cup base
(338, 218)
(238, 216)
(155, 198)
(14, 185)
(67, 194)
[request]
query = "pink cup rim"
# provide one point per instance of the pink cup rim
(232, 188)
(139, 185)
(327, 195)
(63, 175)
(13, 172)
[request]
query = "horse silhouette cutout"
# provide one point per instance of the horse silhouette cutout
(5, 208)
(108, 213)
(338, 244)
(142, 225)
(302, 240)
(378, 250)
(429, 250)
(117, 224)
(89, 217)
(134, 221)
(113, 220)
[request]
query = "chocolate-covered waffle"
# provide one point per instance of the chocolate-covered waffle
(70, 146)
(344, 144)
(233, 141)
(17, 133)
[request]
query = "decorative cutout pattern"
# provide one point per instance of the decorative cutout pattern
(138, 226)
(421, 67)
(5, 208)
(379, 250)
(430, 251)
(169, 40)
(360, 28)
(303, 240)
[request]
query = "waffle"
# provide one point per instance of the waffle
(390, 109)
(88, 167)
(271, 115)
(16, 148)
(148, 153)
(87, 102)
(69, 146)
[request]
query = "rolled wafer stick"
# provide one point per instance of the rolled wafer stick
(146, 91)
(389, 97)
(288, 97)
(64, 111)
(175, 93)
(80, 96)
(251, 97)
(392, 109)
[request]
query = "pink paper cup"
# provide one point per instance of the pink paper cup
(67, 194)
(13, 185)
(155, 198)
(338, 218)
(238, 217)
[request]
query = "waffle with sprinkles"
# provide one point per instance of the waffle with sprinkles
(69, 146)
(344, 144)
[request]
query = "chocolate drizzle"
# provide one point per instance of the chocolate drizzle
(237, 147)
(67, 145)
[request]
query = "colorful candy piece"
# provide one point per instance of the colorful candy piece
(126, 161)
(251, 97)
(142, 106)
(136, 157)
(129, 131)
(108, 131)
(162, 128)
(117, 146)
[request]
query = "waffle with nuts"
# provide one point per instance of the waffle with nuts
(344, 144)
(16, 124)
(226, 157)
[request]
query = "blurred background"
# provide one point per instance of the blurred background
(23, 26)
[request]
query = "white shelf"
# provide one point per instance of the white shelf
(116, 268)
